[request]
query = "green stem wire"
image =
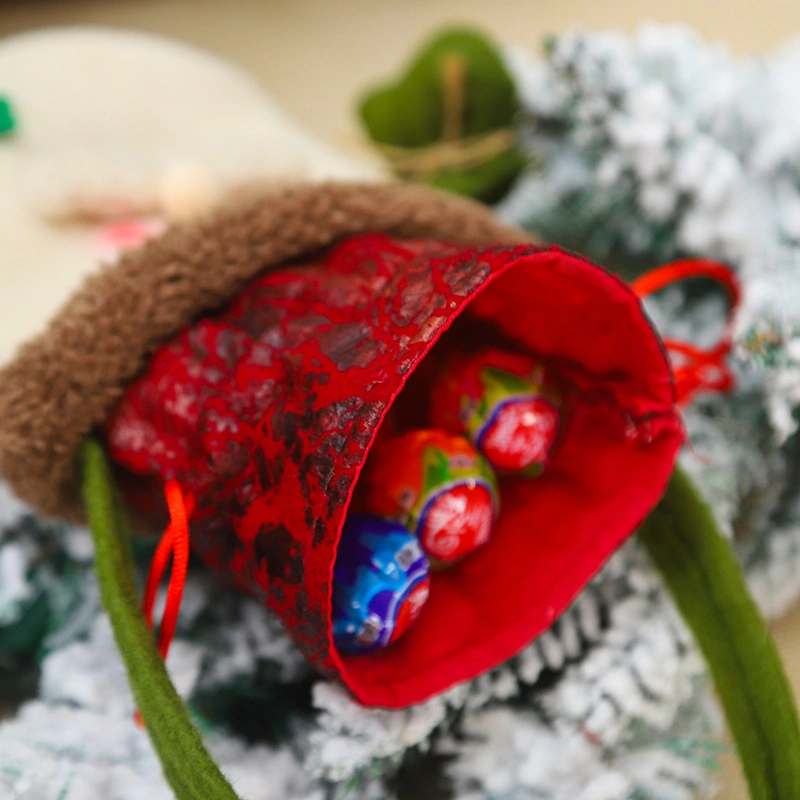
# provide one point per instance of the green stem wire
(189, 769)
(708, 586)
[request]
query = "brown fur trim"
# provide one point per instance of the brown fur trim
(63, 384)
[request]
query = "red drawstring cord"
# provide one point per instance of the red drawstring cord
(174, 542)
(702, 369)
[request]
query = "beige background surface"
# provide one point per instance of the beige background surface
(315, 56)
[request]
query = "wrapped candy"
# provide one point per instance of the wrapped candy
(381, 581)
(439, 487)
(509, 405)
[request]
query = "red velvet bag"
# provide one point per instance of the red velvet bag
(266, 413)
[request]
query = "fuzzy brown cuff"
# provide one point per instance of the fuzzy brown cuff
(63, 384)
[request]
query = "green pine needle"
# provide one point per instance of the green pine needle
(189, 769)
(709, 588)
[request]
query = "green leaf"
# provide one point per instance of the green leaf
(456, 88)
(709, 588)
(189, 769)
(410, 111)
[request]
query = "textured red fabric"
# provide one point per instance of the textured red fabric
(266, 413)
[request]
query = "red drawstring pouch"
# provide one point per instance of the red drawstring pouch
(264, 413)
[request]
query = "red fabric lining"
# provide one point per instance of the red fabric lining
(617, 452)
(278, 399)
(547, 546)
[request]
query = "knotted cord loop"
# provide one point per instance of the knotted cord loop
(699, 369)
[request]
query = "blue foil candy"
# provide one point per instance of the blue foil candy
(381, 581)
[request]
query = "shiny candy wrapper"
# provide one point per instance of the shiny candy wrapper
(439, 487)
(508, 404)
(381, 581)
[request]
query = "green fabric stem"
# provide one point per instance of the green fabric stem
(710, 591)
(189, 769)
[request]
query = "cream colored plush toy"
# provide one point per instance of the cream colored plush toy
(115, 134)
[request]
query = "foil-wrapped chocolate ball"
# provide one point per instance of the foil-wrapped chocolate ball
(508, 404)
(439, 487)
(381, 581)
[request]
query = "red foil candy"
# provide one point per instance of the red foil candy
(439, 487)
(509, 405)
(266, 413)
